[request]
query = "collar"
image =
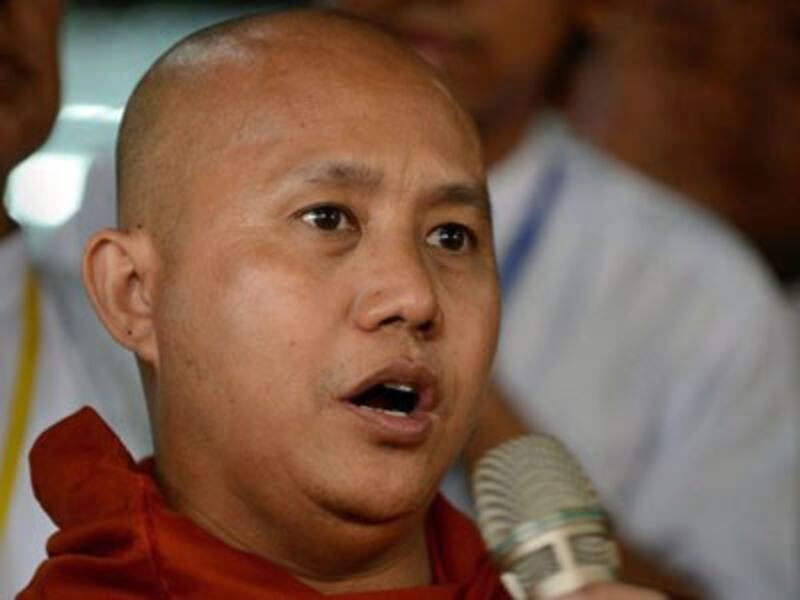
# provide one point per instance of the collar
(117, 534)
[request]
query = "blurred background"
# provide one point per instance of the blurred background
(106, 47)
(644, 160)
(707, 103)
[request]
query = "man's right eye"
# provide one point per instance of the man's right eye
(327, 218)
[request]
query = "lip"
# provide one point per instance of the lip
(410, 430)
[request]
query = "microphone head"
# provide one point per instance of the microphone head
(542, 519)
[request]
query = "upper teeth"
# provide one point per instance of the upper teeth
(400, 387)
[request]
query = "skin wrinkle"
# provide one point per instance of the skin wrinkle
(354, 176)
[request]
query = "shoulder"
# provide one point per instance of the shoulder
(631, 224)
(642, 291)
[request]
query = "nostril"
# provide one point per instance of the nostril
(400, 301)
(392, 320)
(425, 327)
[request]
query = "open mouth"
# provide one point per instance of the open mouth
(396, 399)
(397, 403)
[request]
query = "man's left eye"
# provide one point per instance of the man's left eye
(327, 218)
(451, 237)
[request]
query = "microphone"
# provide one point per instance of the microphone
(541, 519)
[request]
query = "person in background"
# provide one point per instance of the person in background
(313, 303)
(704, 96)
(54, 356)
(638, 327)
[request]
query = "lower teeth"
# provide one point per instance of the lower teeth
(394, 413)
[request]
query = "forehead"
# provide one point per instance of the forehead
(334, 103)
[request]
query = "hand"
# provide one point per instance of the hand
(614, 591)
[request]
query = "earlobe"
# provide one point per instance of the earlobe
(119, 274)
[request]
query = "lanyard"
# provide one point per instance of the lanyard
(22, 396)
(529, 232)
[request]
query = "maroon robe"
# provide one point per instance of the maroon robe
(117, 538)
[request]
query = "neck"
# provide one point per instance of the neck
(624, 114)
(600, 102)
(328, 552)
(404, 565)
(502, 127)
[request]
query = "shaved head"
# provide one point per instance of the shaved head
(180, 112)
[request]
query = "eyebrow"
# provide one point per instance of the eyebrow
(359, 175)
(472, 195)
(349, 174)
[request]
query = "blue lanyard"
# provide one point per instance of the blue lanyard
(526, 239)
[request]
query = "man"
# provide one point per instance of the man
(641, 330)
(54, 357)
(304, 270)
(29, 91)
(704, 96)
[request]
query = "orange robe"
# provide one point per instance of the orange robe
(118, 540)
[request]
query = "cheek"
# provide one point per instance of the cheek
(472, 323)
(471, 299)
(237, 344)
(262, 300)
(240, 316)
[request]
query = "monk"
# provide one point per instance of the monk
(304, 270)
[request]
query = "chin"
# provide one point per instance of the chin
(381, 504)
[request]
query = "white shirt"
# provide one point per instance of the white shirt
(651, 339)
(78, 364)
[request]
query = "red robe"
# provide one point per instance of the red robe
(117, 538)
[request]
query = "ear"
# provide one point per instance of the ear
(119, 272)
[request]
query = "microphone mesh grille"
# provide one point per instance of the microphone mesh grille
(528, 479)
(590, 549)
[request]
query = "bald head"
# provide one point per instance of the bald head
(210, 88)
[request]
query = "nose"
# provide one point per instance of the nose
(397, 289)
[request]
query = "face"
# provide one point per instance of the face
(492, 51)
(328, 317)
(29, 86)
